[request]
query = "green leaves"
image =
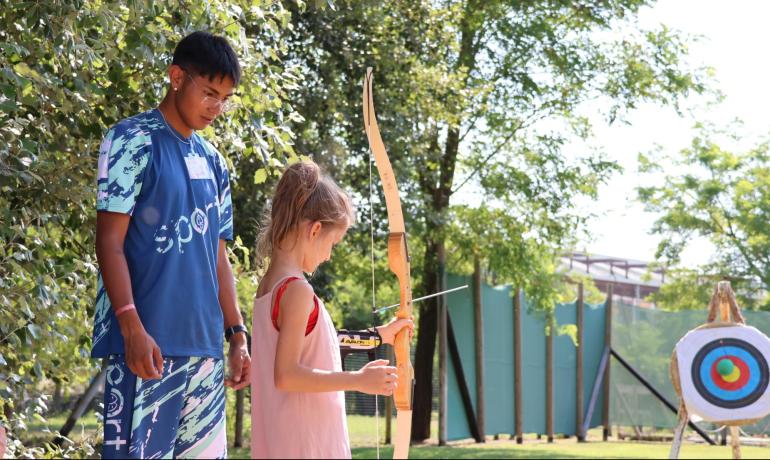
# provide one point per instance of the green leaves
(723, 197)
(481, 104)
(260, 176)
(69, 70)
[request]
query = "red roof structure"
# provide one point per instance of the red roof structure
(632, 280)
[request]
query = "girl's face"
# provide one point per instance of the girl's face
(321, 241)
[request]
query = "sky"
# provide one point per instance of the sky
(734, 39)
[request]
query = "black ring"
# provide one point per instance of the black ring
(738, 403)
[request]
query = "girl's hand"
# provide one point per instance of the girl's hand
(377, 378)
(388, 331)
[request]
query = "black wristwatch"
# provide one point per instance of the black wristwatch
(234, 330)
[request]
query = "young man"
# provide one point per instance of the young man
(166, 291)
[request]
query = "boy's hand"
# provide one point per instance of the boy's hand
(239, 362)
(143, 355)
(388, 331)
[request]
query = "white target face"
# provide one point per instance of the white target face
(724, 373)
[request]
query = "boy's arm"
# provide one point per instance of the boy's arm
(238, 355)
(143, 355)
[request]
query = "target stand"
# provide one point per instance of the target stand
(721, 371)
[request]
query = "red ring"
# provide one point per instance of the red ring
(731, 386)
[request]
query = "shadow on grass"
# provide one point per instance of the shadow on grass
(464, 452)
(439, 452)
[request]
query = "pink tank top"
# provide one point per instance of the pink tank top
(287, 424)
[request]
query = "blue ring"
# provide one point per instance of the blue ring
(700, 373)
(729, 395)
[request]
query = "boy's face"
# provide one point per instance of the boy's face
(200, 99)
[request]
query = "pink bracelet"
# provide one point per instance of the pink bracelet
(124, 309)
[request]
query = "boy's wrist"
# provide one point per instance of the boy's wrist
(238, 339)
(130, 324)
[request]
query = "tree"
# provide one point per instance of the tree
(69, 69)
(721, 196)
(478, 97)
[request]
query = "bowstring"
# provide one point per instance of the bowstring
(374, 303)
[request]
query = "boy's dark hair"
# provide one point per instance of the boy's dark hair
(207, 55)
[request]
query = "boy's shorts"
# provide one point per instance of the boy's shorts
(181, 415)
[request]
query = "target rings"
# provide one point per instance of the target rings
(724, 373)
(743, 384)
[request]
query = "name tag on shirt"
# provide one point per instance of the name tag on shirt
(198, 168)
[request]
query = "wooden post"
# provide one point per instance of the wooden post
(581, 436)
(240, 397)
(479, 341)
(389, 405)
(549, 380)
(518, 409)
(724, 312)
(388, 419)
(735, 441)
(607, 431)
(681, 424)
(442, 363)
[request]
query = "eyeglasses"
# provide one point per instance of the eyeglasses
(211, 102)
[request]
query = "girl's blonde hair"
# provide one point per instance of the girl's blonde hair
(303, 193)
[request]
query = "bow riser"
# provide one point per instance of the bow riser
(398, 255)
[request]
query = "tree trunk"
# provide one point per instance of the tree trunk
(56, 404)
(438, 185)
(240, 398)
(422, 401)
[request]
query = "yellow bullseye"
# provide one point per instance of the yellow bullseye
(732, 376)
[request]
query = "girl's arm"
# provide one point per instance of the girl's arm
(294, 309)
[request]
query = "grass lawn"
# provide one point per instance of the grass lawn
(362, 435)
(559, 449)
(363, 438)
(38, 433)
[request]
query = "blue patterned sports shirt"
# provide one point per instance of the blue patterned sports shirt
(177, 192)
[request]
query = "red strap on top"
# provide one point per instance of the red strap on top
(312, 319)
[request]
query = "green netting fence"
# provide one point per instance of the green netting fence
(498, 318)
(644, 338)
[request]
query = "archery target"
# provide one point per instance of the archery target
(724, 373)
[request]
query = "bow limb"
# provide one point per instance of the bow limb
(398, 259)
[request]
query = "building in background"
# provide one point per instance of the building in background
(632, 280)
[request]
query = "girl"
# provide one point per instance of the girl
(298, 404)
